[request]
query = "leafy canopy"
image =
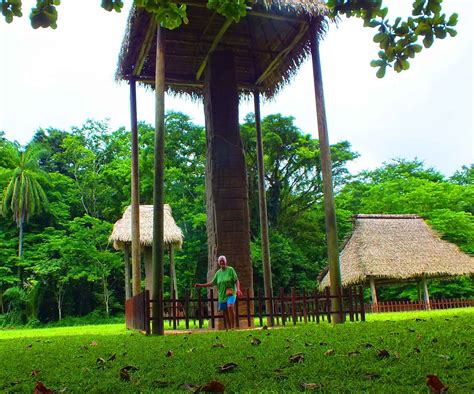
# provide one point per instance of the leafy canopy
(399, 40)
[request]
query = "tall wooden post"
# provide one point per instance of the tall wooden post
(127, 269)
(158, 186)
(373, 291)
(426, 295)
(135, 192)
(267, 267)
(173, 279)
(329, 207)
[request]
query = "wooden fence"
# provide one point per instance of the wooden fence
(285, 308)
(402, 306)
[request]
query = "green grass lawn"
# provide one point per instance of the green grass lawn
(343, 358)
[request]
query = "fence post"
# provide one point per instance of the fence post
(272, 322)
(260, 301)
(199, 307)
(316, 305)
(174, 308)
(211, 294)
(351, 306)
(305, 310)
(293, 305)
(328, 304)
(361, 301)
(282, 303)
(186, 308)
(249, 320)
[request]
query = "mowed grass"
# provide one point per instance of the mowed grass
(343, 358)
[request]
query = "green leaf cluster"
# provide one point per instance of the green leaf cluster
(166, 13)
(231, 9)
(44, 14)
(10, 9)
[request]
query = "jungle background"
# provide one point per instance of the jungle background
(55, 258)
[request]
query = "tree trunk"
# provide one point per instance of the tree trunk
(228, 224)
(20, 249)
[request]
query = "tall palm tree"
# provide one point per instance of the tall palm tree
(24, 196)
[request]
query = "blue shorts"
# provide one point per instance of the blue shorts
(223, 305)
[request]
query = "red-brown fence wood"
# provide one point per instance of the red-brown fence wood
(404, 305)
(285, 307)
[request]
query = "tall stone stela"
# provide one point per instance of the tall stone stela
(228, 223)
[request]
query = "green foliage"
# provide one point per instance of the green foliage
(399, 40)
(44, 14)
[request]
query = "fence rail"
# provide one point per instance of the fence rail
(402, 306)
(284, 308)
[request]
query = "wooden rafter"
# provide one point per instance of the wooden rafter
(145, 47)
(282, 54)
(214, 44)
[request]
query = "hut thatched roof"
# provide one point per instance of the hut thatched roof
(270, 44)
(398, 247)
(122, 231)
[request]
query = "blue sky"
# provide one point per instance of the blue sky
(59, 78)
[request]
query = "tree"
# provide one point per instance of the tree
(399, 41)
(24, 196)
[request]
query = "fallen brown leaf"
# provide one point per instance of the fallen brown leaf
(93, 343)
(416, 350)
(381, 354)
(435, 384)
(40, 388)
(112, 357)
(296, 358)
(29, 346)
(218, 345)
(255, 341)
(310, 386)
(169, 353)
(214, 386)
(125, 375)
(354, 354)
(445, 357)
(329, 352)
(323, 343)
(35, 372)
(226, 367)
(191, 387)
(309, 344)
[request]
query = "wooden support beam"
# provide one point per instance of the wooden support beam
(135, 193)
(282, 54)
(326, 166)
(145, 47)
(373, 291)
(214, 44)
(158, 186)
(426, 295)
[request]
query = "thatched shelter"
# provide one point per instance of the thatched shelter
(269, 45)
(122, 238)
(398, 248)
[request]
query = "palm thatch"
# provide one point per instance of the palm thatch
(398, 247)
(269, 44)
(122, 231)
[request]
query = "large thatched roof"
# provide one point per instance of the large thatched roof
(398, 247)
(269, 44)
(122, 231)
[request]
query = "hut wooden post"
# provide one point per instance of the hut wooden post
(158, 185)
(136, 269)
(329, 207)
(426, 296)
(373, 291)
(127, 269)
(267, 267)
(173, 279)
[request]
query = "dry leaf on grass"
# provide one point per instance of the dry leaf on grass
(226, 367)
(35, 372)
(112, 357)
(40, 388)
(354, 354)
(310, 386)
(329, 352)
(416, 350)
(435, 384)
(296, 358)
(214, 386)
(381, 354)
(323, 343)
(218, 345)
(93, 343)
(169, 353)
(255, 341)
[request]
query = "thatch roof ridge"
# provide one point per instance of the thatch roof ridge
(399, 247)
(122, 230)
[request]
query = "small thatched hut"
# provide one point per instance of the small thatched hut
(122, 239)
(398, 248)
